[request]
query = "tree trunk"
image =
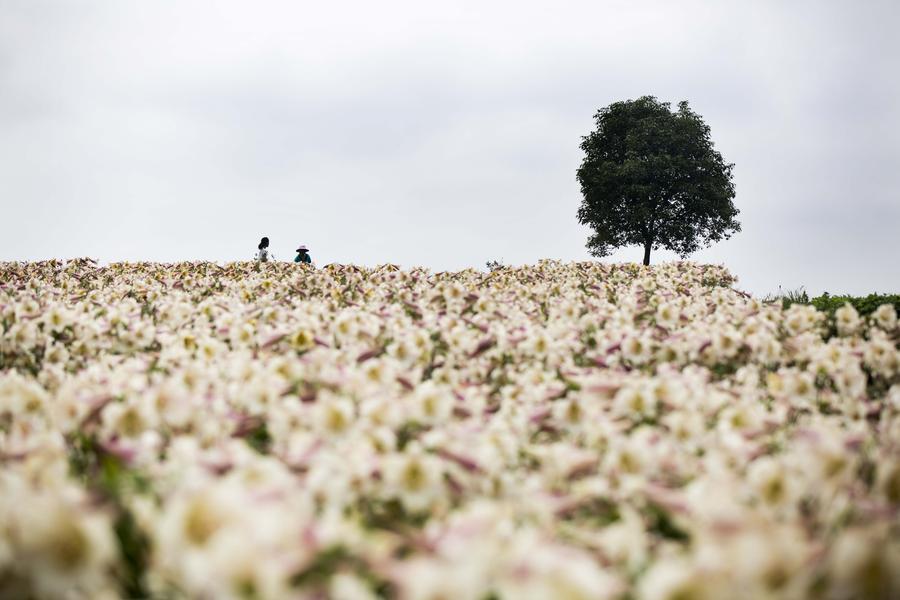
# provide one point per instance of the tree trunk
(647, 246)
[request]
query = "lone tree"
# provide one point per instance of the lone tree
(651, 177)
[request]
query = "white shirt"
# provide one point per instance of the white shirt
(264, 255)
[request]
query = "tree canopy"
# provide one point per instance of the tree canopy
(651, 177)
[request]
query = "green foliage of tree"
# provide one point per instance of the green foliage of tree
(651, 177)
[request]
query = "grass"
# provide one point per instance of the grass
(788, 297)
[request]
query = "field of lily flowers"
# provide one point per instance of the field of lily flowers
(558, 431)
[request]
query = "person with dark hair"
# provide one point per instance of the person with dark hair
(263, 254)
(303, 255)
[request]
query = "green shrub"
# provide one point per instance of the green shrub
(864, 305)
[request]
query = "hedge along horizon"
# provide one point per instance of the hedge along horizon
(651, 177)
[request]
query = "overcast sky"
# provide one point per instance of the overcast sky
(438, 134)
